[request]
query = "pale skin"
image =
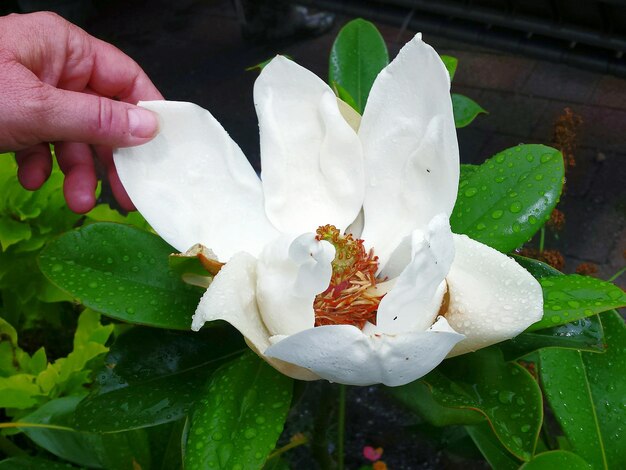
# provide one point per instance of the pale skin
(60, 85)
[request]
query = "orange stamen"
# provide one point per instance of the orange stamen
(346, 301)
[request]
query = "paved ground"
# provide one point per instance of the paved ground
(194, 51)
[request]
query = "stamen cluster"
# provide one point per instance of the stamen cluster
(346, 301)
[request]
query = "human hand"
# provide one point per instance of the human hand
(59, 84)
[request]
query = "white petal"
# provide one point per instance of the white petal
(311, 158)
(194, 185)
(291, 272)
(492, 298)
(342, 353)
(232, 297)
(409, 147)
(415, 299)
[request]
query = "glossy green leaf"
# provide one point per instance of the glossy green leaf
(556, 459)
(33, 463)
(606, 374)
(535, 267)
(239, 420)
(117, 451)
(418, 397)
(451, 64)
(571, 297)
(565, 383)
(122, 272)
(508, 198)
(584, 334)
(358, 54)
(343, 95)
(153, 377)
(504, 392)
(491, 448)
(465, 110)
(466, 170)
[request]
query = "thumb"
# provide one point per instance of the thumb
(80, 117)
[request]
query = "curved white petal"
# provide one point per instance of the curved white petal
(194, 185)
(415, 299)
(291, 272)
(232, 297)
(342, 353)
(492, 298)
(312, 164)
(409, 147)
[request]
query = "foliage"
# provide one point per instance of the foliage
(154, 395)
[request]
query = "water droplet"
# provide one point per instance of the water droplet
(532, 220)
(516, 227)
(555, 318)
(515, 207)
(109, 260)
(481, 226)
(497, 214)
(538, 177)
(546, 157)
(499, 179)
(525, 428)
(57, 267)
(130, 310)
(469, 192)
(125, 258)
(530, 157)
(249, 433)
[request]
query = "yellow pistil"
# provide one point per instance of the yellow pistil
(347, 301)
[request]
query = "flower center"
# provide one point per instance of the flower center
(346, 301)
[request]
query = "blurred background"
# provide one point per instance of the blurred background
(547, 71)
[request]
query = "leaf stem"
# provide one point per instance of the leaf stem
(542, 239)
(617, 274)
(35, 425)
(341, 427)
(319, 443)
(292, 445)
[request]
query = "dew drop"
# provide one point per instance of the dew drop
(470, 192)
(497, 214)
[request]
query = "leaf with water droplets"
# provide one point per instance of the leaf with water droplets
(239, 420)
(358, 54)
(153, 377)
(496, 455)
(465, 110)
(556, 459)
(509, 197)
(122, 272)
(482, 382)
(571, 297)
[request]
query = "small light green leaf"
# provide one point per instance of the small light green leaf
(450, 63)
(237, 423)
(509, 197)
(358, 54)
(504, 392)
(556, 459)
(606, 374)
(343, 95)
(261, 65)
(571, 297)
(491, 448)
(465, 110)
(122, 272)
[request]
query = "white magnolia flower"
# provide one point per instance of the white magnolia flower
(312, 301)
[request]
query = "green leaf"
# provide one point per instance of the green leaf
(450, 63)
(33, 463)
(166, 445)
(606, 374)
(119, 451)
(556, 459)
(343, 95)
(122, 272)
(572, 297)
(358, 54)
(584, 334)
(465, 110)
(239, 420)
(508, 198)
(104, 213)
(566, 386)
(504, 392)
(535, 267)
(491, 448)
(153, 377)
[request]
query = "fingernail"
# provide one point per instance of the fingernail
(142, 123)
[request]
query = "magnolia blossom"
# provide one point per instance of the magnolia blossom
(339, 261)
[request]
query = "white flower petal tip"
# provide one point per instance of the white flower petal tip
(344, 354)
(311, 158)
(191, 175)
(492, 298)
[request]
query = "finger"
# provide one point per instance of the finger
(79, 187)
(105, 154)
(70, 116)
(34, 165)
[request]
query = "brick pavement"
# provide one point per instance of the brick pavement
(193, 51)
